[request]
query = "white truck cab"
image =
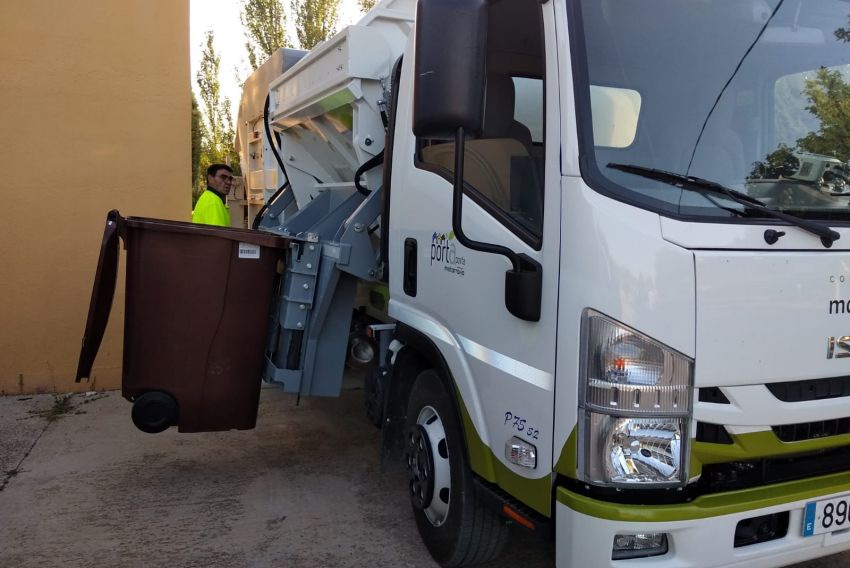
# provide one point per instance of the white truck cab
(681, 391)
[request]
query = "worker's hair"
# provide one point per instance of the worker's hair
(213, 169)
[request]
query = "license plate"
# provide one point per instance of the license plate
(825, 516)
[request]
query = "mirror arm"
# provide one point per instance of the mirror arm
(457, 212)
(524, 282)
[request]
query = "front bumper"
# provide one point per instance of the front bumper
(700, 533)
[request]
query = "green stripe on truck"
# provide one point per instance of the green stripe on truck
(757, 445)
(535, 493)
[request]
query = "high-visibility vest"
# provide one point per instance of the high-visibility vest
(210, 210)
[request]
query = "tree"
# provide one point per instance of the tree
(218, 133)
(265, 29)
(829, 101)
(197, 138)
(843, 34)
(780, 163)
(315, 20)
(366, 5)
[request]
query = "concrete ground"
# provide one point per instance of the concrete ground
(80, 486)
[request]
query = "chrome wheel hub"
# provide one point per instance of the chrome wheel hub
(428, 466)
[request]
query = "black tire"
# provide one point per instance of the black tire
(455, 527)
(154, 412)
(374, 395)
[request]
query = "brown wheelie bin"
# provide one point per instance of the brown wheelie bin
(198, 299)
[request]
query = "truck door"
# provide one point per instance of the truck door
(503, 367)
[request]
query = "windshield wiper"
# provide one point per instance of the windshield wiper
(693, 183)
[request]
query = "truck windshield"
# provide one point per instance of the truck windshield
(751, 94)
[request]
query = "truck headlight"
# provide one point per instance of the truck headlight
(635, 406)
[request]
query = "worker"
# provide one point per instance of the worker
(211, 208)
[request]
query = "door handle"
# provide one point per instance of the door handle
(410, 263)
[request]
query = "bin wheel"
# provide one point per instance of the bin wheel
(154, 412)
(454, 525)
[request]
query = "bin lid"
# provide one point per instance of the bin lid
(249, 236)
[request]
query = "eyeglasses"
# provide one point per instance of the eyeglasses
(225, 177)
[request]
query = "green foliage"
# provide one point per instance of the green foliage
(829, 101)
(789, 100)
(780, 163)
(843, 34)
(217, 129)
(315, 20)
(197, 137)
(62, 406)
(366, 5)
(265, 29)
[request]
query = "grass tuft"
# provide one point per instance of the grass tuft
(62, 406)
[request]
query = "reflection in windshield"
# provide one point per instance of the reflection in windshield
(753, 94)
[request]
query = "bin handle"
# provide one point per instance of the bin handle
(103, 291)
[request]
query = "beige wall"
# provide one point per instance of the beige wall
(95, 111)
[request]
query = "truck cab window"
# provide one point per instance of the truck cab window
(761, 116)
(503, 168)
(528, 106)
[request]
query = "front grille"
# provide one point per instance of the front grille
(712, 433)
(722, 477)
(741, 475)
(812, 430)
(713, 395)
(814, 389)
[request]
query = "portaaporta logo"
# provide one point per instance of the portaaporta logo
(444, 253)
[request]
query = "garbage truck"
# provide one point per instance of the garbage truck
(597, 311)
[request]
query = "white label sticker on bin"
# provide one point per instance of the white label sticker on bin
(249, 251)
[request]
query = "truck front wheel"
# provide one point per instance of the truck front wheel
(455, 527)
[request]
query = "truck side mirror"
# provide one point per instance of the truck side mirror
(449, 68)
(450, 75)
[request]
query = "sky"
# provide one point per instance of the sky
(222, 17)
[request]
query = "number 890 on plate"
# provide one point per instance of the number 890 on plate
(825, 516)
